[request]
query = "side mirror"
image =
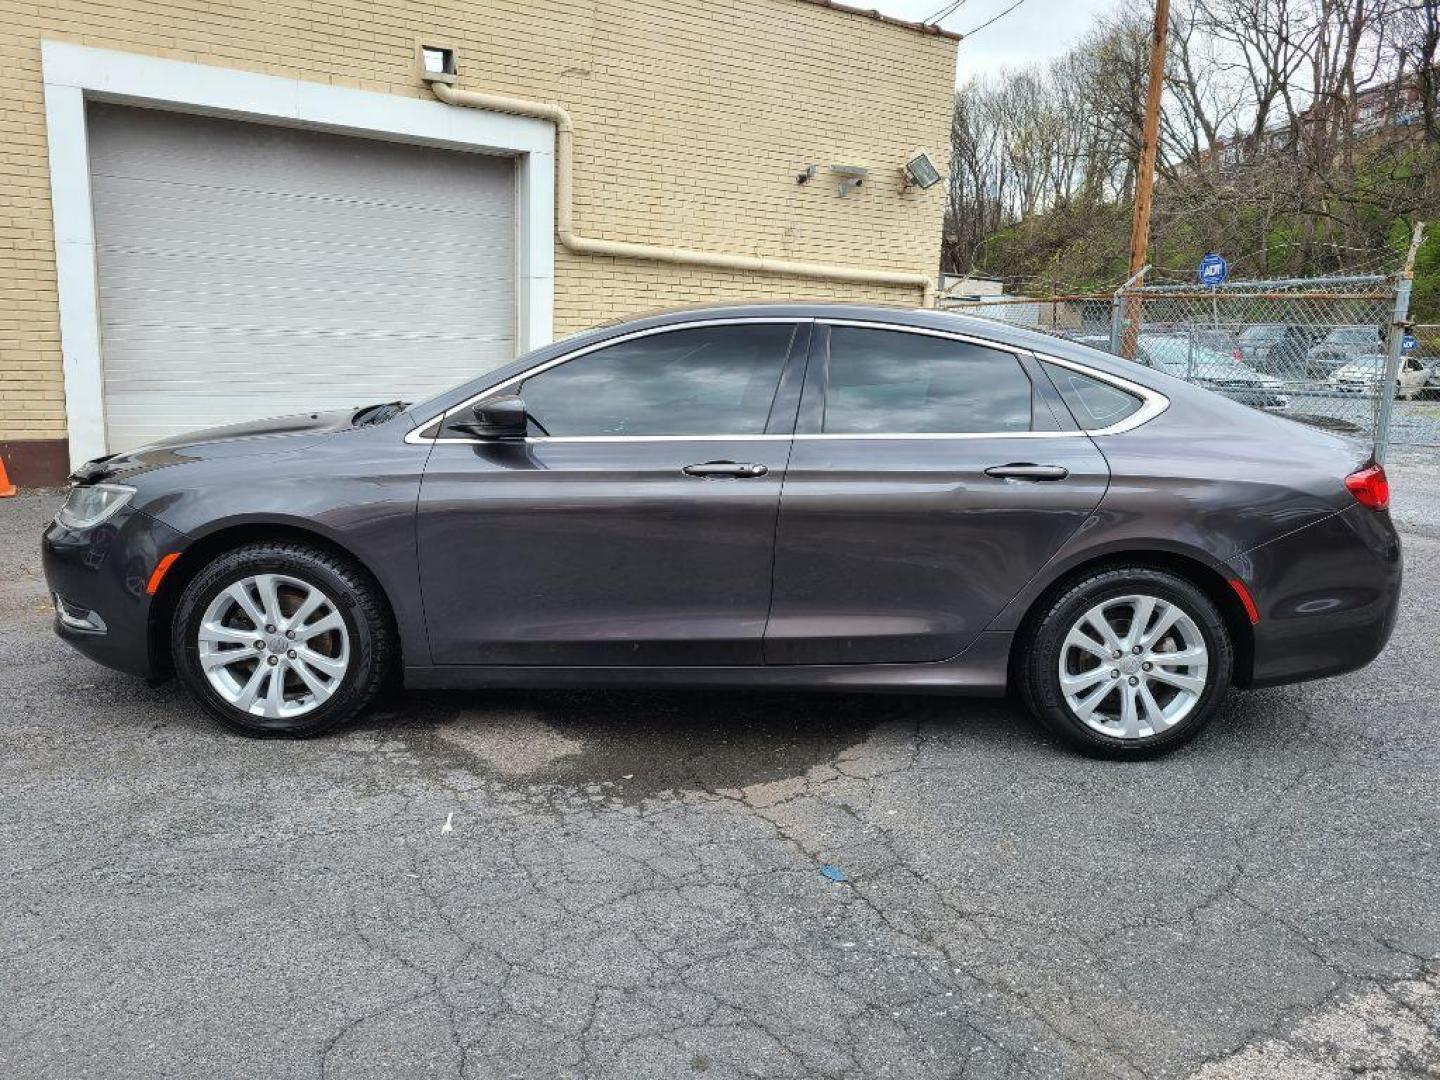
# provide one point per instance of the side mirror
(496, 418)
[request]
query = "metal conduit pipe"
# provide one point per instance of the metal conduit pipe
(586, 245)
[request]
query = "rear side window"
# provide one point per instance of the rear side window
(893, 382)
(712, 380)
(1093, 403)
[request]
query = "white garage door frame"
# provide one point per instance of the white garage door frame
(75, 74)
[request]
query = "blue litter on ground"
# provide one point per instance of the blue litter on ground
(834, 873)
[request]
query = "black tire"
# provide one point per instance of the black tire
(357, 601)
(1038, 667)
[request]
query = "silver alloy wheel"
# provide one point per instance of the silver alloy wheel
(273, 646)
(1133, 666)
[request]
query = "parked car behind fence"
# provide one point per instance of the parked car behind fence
(1342, 345)
(1278, 349)
(1363, 374)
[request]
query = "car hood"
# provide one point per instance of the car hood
(285, 434)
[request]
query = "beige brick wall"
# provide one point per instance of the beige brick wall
(692, 117)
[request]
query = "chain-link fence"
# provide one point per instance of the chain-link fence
(1332, 352)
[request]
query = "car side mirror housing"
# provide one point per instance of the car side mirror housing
(501, 417)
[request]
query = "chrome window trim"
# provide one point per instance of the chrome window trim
(1153, 403)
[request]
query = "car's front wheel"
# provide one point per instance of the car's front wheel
(281, 639)
(1127, 663)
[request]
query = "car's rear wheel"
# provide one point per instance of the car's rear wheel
(281, 639)
(1128, 663)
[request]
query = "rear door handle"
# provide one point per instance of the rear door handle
(1023, 470)
(737, 469)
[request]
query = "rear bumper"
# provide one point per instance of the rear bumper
(104, 570)
(1328, 596)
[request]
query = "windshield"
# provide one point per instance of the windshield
(1354, 335)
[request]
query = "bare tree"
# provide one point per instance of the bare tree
(1285, 141)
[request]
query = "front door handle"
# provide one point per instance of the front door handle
(1023, 470)
(726, 468)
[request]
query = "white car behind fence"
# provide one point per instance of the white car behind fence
(1363, 374)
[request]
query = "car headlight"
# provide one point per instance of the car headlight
(88, 506)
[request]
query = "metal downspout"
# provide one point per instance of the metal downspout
(586, 245)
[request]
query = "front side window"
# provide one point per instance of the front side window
(894, 382)
(711, 380)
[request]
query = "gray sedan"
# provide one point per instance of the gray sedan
(803, 496)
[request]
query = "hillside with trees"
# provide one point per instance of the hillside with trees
(1298, 137)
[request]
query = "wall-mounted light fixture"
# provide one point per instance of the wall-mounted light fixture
(807, 175)
(920, 171)
(437, 64)
(851, 177)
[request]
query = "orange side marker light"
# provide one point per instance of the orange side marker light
(158, 574)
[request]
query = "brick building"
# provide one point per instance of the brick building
(216, 211)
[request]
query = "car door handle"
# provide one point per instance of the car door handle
(1023, 470)
(726, 468)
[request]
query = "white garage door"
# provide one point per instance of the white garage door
(249, 271)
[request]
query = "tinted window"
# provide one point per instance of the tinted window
(713, 380)
(890, 381)
(1095, 404)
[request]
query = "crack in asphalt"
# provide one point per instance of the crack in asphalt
(632, 885)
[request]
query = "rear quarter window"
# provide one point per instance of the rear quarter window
(1094, 403)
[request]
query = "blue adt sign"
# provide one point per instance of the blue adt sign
(1213, 270)
(1408, 343)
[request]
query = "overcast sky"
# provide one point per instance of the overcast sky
(1036, 30)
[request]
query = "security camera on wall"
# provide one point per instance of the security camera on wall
(851, 177)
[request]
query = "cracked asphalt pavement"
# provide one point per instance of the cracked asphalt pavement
(631, 887)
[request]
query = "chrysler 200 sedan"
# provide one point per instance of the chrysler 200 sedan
(799, 496)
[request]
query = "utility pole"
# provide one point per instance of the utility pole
(1145, 174)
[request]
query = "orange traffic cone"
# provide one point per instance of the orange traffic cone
(6, 487)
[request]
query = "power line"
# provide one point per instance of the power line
(944, 13)
(994, 19)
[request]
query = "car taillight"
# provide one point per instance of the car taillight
(1370, 487)
(1237, 356)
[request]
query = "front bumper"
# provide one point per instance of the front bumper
(1328, 596)
(103, 571)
